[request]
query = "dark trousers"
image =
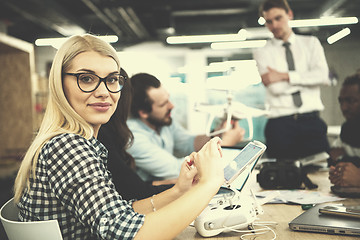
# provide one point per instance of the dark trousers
(296, 136)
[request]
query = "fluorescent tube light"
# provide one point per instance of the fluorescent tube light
(49, 41)
(56, 42)
(256, 33)
(205, 38)
(234, 63)
(339, 35)
(243, 44)
(326, 21)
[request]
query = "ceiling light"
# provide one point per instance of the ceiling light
(256, 33)
(205, 38)
(243, 44)
(242, 35)
(234, 63)
(326, 21)
(339, 35)
(208, 12)
(57, 42)
(49, 41)
(261, 21)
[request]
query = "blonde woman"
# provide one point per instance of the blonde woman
(64, 174)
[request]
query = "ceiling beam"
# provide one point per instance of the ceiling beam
(103, 17)
(134, 22)
(43, 22)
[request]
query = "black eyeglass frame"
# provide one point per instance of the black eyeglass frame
(100, 80)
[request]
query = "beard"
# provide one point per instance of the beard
(160, 122)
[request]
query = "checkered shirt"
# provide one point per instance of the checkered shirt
(73, 185)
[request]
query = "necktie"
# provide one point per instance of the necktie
(291, 66)
(289, 56)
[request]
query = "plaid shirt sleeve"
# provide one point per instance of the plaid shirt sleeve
(78, 176)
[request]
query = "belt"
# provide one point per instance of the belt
(298, 116)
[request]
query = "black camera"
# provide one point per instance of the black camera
(280, 175)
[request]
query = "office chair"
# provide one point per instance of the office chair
(16, 230)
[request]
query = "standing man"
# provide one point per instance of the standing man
(160, 144)
(292, 68)
(345, 152)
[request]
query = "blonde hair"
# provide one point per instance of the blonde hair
(59, 116)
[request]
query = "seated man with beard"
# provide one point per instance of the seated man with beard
(161, 144)
(345, 152)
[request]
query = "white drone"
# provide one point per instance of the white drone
(230, 110)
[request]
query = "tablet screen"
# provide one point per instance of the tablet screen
(246, 155)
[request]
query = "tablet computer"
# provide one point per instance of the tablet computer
(245, 160)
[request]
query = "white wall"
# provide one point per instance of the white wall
(344, 57)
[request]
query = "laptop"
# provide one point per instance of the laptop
(313, 221)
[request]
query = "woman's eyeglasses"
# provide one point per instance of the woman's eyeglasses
(89, 82)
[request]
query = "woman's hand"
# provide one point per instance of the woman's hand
(208, 163)
(205, 165)
(165, 223)
(187, 174)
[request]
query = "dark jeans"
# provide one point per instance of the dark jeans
(294, 137)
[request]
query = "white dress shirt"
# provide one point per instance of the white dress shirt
(311, 71)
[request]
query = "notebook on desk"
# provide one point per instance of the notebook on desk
(313, 221)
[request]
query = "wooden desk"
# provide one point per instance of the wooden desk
(280, 213)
